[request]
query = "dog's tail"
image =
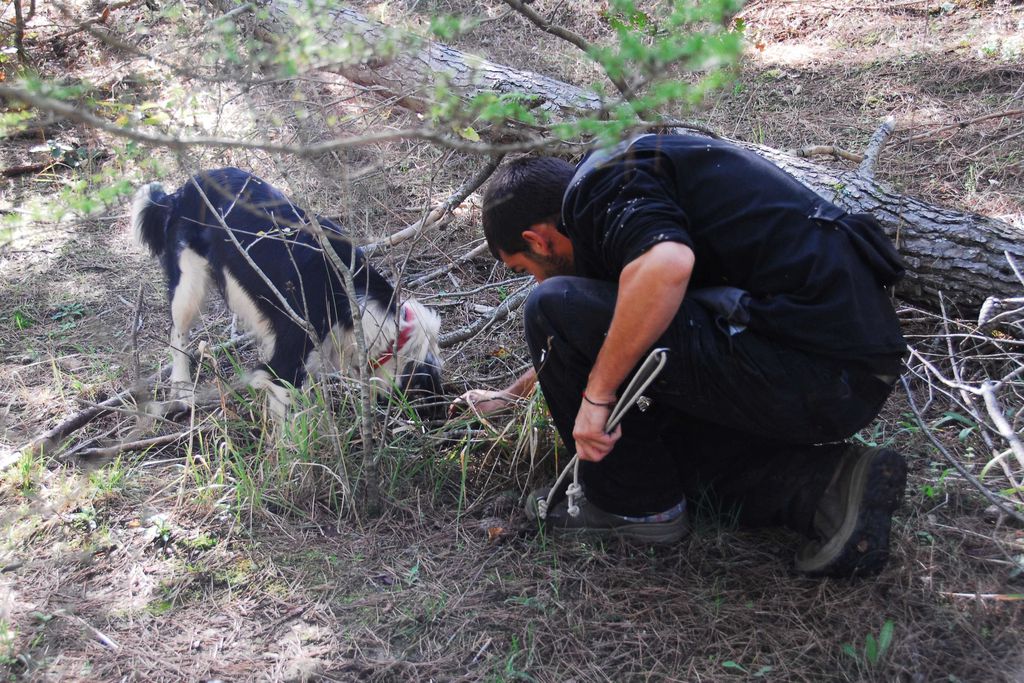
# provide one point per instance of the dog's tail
(150, 210)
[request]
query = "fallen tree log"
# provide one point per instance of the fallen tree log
(963, 255)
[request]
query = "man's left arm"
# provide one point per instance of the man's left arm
(651, 289)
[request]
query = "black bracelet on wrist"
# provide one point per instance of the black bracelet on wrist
(610, 404)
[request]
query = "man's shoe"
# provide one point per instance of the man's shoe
(667, 527)
(854, 515)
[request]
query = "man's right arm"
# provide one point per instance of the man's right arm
(485, 401)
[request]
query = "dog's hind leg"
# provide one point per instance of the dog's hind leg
(187, 299)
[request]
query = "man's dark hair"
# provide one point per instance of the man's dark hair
(522, 193)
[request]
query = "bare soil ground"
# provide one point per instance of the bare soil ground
(226, 556)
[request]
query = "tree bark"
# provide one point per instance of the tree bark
(960, 254)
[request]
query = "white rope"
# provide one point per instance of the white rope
(647, 373)
(573, 492)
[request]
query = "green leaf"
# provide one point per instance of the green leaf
(850, 650)
(871, 648)
(885, 636)
(22, 321)
(470, 134)
(729, 664)
(951, 416)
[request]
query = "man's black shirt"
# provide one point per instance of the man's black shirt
(815, 274)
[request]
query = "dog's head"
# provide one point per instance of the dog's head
(420, 377)
(422, 386)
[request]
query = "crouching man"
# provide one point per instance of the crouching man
(782, 342)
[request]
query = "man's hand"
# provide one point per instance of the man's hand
(592, 444)
(651, 289)
(481, 402)
(485, 402)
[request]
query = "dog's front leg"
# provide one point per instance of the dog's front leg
(278, 398)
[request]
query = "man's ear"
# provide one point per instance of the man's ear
(535, 241)
(538, 237)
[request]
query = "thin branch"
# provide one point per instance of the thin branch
(181, 144)
(829, 150)
(500, 313)
(995, 412)
(371, 493)
(52, 437)
(1013, 265)
(140, 445)
(981, 150)
(998, 597)
(434, 274)
(991, 497)
(963, 124)
(25, 169)
(482, 288)
(19, 32)
(98, 19)
(914, 353)
(136, 327)
(565, 34)
(995, 309)
(441, 211)
(874, 148)
(103, 639)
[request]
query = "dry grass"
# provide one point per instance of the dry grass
(226, 558)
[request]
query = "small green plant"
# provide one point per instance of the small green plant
(934, 489)
(874, 647)
(161, 532)
(512, 670)
(68, 314)
(26, 471)
(110, 478)
(204, 541)
(85, 519)
(159, 606)
(412, 576)
(971, 181)
(21, 320)
(969, 426)
(7, 639)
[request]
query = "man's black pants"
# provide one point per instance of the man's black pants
(734, 416)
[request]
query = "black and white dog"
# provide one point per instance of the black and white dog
(232, 229)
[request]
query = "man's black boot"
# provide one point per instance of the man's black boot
(853, 517)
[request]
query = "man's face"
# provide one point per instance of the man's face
(540, 266)
(549, 253)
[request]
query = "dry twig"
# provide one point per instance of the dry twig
(434, 274)
(823, 150)
(442, 210)
(955, 462)
(874, 148)
(500, 313)
(964, 124)
(140, 445)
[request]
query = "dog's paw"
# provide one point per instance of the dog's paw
(174, 410)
